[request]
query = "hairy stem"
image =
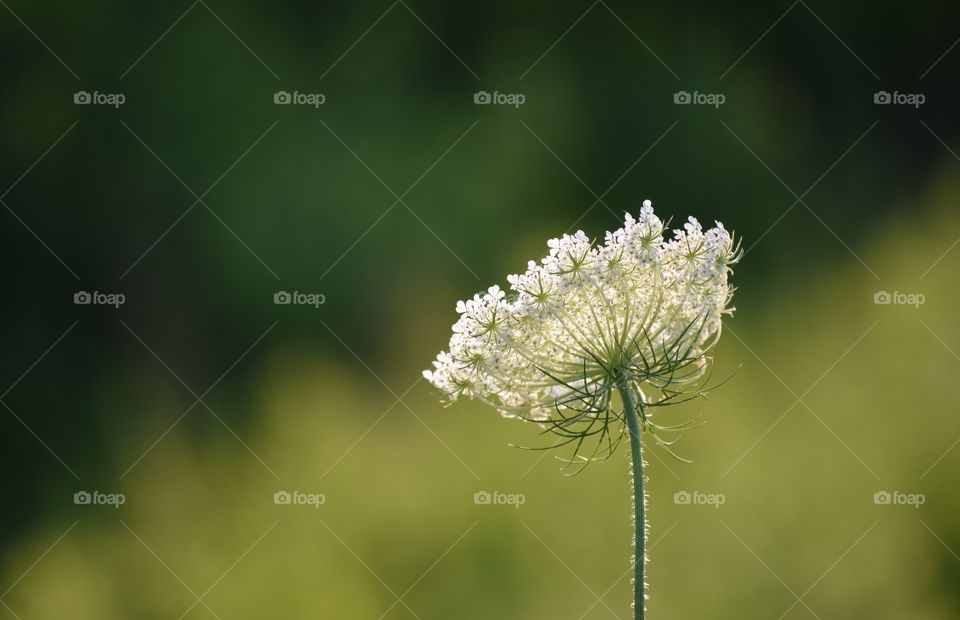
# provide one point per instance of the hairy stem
(631, 413)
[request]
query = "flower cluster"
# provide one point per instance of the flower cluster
(640, 309)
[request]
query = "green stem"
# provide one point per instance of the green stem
(639, 499)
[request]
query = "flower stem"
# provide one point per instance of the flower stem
(639, 499)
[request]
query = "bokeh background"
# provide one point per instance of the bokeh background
(833, 449)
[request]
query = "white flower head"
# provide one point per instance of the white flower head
(638, 309)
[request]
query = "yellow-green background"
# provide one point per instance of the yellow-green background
(833, 398)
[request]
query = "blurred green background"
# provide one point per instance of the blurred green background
(199, 398)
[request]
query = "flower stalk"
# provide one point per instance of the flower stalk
(631, 411)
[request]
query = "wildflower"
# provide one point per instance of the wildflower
(638, 307)
(636, 315)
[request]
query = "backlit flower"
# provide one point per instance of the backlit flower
(638, 307)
